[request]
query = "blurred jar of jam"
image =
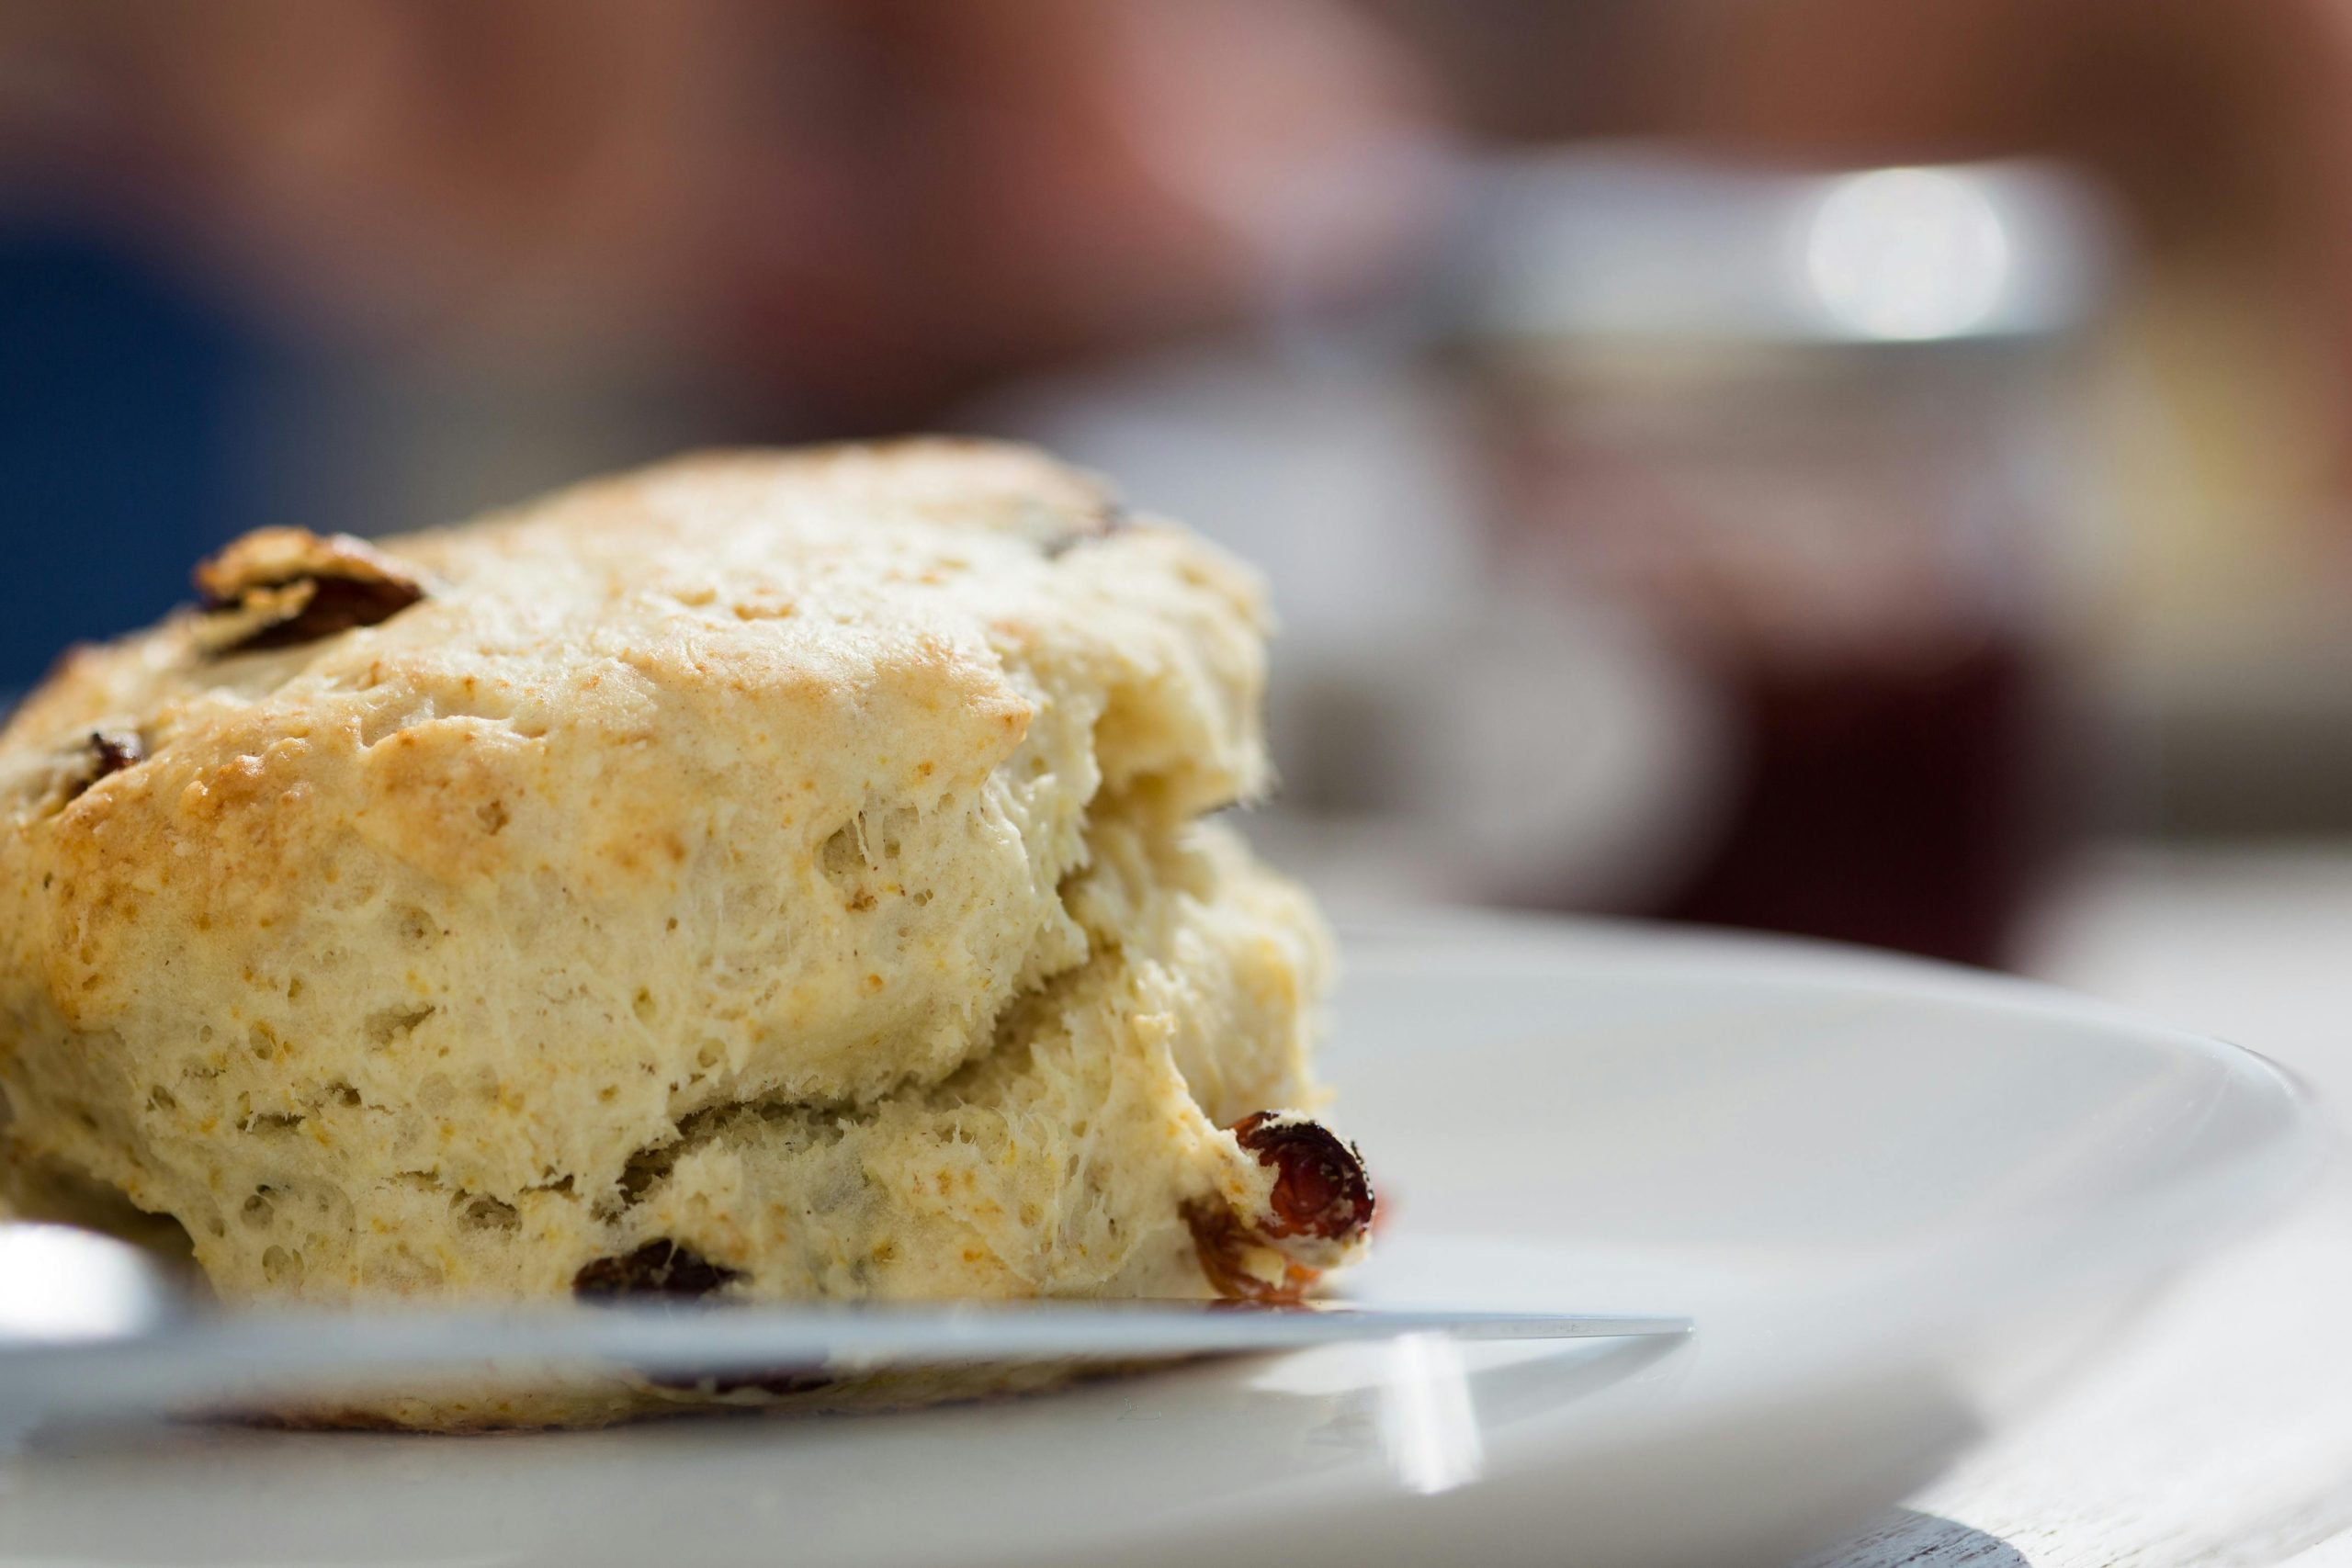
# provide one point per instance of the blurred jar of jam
(1817, 431)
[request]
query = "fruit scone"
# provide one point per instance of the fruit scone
(763, 876)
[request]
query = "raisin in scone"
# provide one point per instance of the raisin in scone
(764, 876)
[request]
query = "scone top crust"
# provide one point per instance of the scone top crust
(747, 775)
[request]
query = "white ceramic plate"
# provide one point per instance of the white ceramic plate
(1896, 1197)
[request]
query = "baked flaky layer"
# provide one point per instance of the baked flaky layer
(1072, 1159)
(1075, 1157)
(1059, 1162)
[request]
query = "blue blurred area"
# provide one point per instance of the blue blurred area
(121, 461)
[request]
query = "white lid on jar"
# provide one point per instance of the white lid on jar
(1626, 244)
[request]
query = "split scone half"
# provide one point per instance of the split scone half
(763, 876)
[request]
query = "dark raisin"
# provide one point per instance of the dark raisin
(1226, 1245)
(111, 751)
(661, 1268)
(302, 587)
(336, 605)
(1321, 1188)
(117, 749)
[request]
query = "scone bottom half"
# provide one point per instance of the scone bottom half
(763, 876)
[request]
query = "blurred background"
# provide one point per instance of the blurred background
(1815, 465)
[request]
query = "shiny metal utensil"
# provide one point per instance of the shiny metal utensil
(88, 1326)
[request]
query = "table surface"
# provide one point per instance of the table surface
(2217, 1430)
